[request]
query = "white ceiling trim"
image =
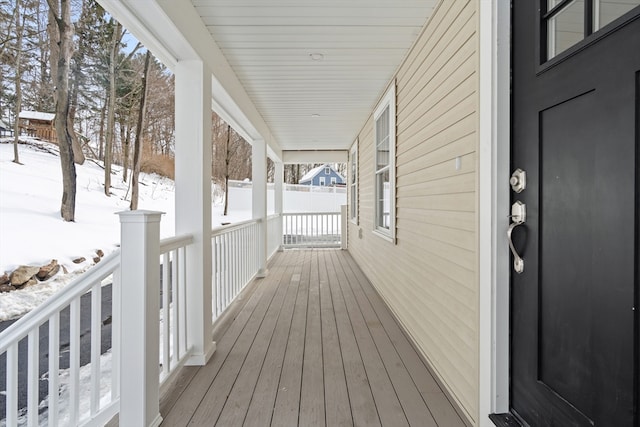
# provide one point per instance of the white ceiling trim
(315, 156)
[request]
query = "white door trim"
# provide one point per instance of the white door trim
(493, 207)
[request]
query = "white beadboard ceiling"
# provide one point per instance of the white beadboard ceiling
(321, 104)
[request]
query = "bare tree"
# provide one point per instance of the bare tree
(108, 150)
(115, 60)
(60, 14)
(138, 140)
(227, 158)
(18, 81)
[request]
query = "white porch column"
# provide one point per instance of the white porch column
(193, 199)
(278, 188)
(140, 325)
(259, 198)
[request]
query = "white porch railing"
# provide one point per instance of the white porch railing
(174, 350)
(235, 252)
(48, 315)
(317, 229)
(99, 377)
(86, 389)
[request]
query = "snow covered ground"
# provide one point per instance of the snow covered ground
(33, 233)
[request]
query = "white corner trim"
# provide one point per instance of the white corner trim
(353, 186)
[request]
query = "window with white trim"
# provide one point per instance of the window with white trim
(384, 169)
(353, 184)
(322, 181)
(327, 171)
(334, 180)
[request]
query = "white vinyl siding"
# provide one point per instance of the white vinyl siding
(430, 276)
(384, 164)
(353, 184)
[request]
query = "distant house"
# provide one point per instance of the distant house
(321, 176)
(5, 129)
(38, 124)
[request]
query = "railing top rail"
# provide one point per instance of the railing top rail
(272, 216)
(59, 300)
(231, 227)
(310, 213)
(175, 242)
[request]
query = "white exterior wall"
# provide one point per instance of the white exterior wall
(429, 277)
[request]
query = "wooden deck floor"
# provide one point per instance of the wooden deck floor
(312, 344)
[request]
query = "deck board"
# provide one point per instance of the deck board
(415, 409)
(363, 408)
(259, 325)
(312, 393)
(285, 412)
(441, 409)
(312, 344)
(386, 399)
(242, 391)
(264, 396)
(191, 398)
(337, 407)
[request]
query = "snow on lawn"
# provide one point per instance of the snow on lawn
(33, 233)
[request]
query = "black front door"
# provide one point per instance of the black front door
(575, 132)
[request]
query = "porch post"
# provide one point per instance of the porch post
(259, 198)
(140, 318)
(278, 179)
(343, 227)
(193, 199)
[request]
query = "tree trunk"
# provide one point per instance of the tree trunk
(60, 12)
(76, 147)
(18, 81)
(124, 137)
(108, 152)
(78, 155)
(103, 113)
(226, 172)
(137, 145)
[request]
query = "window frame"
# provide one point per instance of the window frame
(327, 170)
(353, 183)
(387, 101)
(322, 182)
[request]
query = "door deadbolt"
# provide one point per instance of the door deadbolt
(518, 180)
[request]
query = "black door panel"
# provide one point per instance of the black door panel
(575, 133)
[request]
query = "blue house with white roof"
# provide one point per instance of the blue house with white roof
(324, 175)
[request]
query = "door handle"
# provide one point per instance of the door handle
(518, 215)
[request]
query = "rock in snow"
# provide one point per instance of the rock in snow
(48, 271)
(23, 274)
(7, 288)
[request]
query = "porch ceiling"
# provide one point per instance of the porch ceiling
(314, 104)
